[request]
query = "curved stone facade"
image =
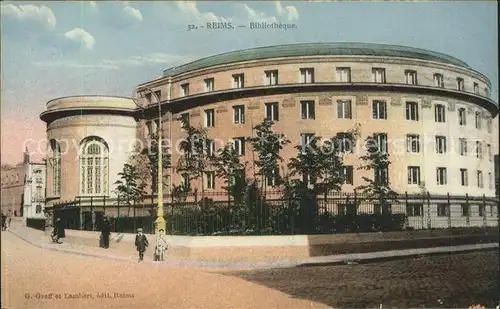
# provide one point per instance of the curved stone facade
(98, 120)
(453, 91)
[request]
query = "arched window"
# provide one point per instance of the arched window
(38, 209)
(94, 166)
(56, 167)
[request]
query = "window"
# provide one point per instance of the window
(272, 180)
(464, 177)
(465, 210)
(147, 96)
(412, 111)
(441, 175)
(307, 75)
(305, 139)
(440, 144)
(414, 210)
(413, 143)
(488, 125)
(209, 118)
(438, 80)
(210, 177)
(478, 120)
(209, 147)
(185, 179)
(38, 194)
(443, 210)
(346, 142)
(209, 84)
(347, 172)
(271, 77)
(378, 75)
(413, 175)
(272, 111)
(239, 145)
(380, 142)
(439, 113)
(379, 110)
(481, 211)
(343, 75)
(411, 77)
(463, 146)
(479, 150)
(480, 183)
(38, 209)
(486, 91)
(307, 109)
(238, 80)
(476, 88)
(460, 84)
(490, 181)
(462, 116)
(94, 166)
(381, 175)
(184, 119)
(344, 109)
(184, 90)
(490, 154)
(239, 114)
(158, 95)
(56, 167)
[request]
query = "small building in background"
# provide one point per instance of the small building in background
(34, 190)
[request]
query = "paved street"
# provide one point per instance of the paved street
(29, 272)
(446, 281)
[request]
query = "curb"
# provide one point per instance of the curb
(349, 259)
(176, 264)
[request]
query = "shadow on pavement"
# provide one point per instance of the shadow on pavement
(437, 281)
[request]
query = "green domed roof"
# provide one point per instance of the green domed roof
(315, 49)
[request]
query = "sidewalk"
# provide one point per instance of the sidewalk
(42, 240)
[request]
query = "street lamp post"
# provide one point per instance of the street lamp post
(160, 223)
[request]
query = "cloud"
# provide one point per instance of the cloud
(132, 13)
(93, 4)
(29, 12)
(80, 36)
(254, 15)
(114, 64)
(149, 59)
(191, 13)
(290, 12)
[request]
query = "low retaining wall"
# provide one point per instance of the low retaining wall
(296, 247)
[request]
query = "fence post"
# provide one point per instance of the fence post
(449, 209)
(485, 223)
(135, 222)
(104, 206)
(429, 221)
(117, 224)
(92, 214)
(355, 202)
(82, 222)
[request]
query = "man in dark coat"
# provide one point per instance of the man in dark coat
(105, 232)
(4, 222)
(58, 230)
(141, 242)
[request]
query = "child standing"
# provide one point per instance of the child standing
(161, 246)
(141, 242)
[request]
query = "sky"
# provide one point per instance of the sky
(55, 49)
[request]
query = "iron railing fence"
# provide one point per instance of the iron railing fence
(337, 212)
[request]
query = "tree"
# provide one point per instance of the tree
(377, 160)
(319, 166)
(228, 167)
(130, 188)
(194, 160)
(268, 144)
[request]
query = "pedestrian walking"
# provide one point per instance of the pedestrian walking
(161, 246)
(8, 221)
(4, 222)
(141, 242)
(105, 232)
(58, 231)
